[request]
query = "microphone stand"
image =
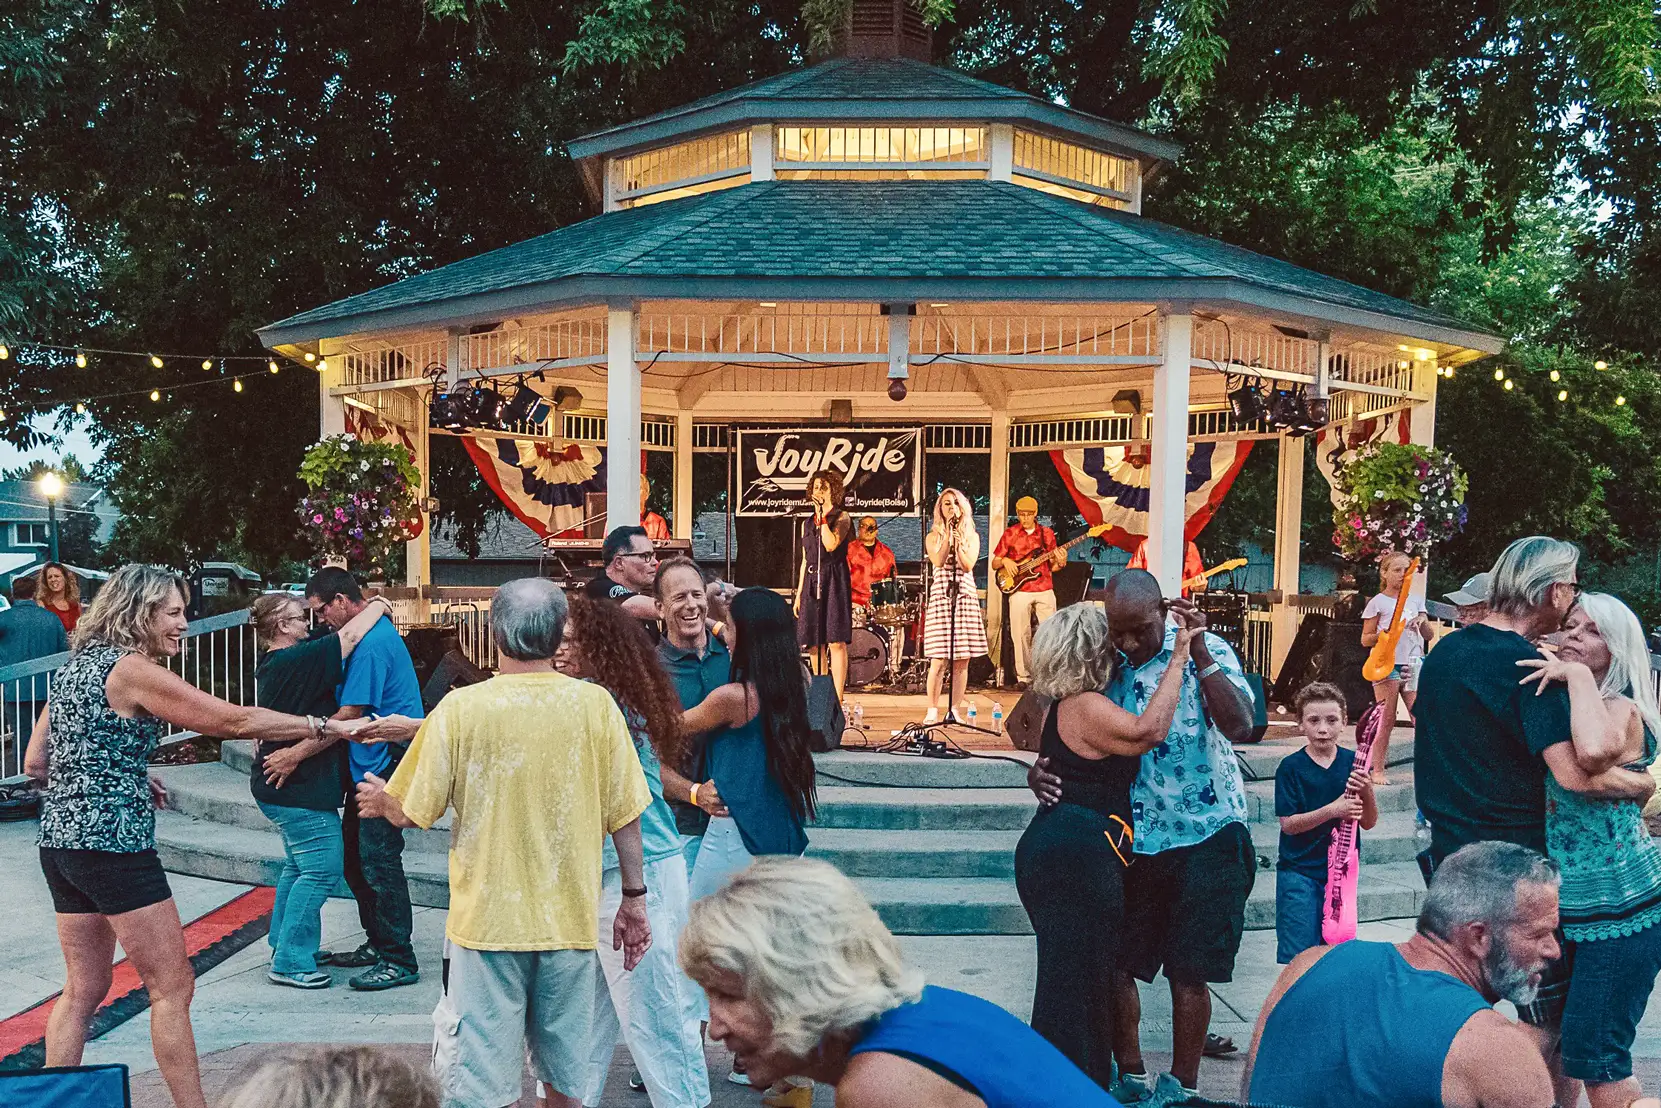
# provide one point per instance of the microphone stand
(952, 579)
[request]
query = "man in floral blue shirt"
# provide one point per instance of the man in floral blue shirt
(1185, 896)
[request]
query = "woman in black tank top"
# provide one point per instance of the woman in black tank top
(1070, 863)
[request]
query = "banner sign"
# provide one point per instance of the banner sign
(881, 469)
(1110, 484)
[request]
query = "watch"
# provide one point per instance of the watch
(1214, 667)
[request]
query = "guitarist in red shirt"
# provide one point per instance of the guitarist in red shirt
(1037, 596)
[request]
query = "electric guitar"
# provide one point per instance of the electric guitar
(1011, 581)
(1383, 658)
(1199, 579)
(1343, 863)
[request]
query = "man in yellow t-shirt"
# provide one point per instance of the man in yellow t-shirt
(539, 768)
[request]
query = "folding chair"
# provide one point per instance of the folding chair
(66, 1087)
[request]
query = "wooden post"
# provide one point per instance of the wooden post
(1283, 626)
(1167, 491)
(997, 517)
(622, 420)
(681, 504)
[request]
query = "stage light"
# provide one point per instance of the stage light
(488, 405)
(1127, 402)
(451, 411)
(897, 389)
(519, 408)
(1320, 411)
(1246, 403)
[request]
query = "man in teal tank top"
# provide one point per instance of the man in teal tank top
(1412, 1025)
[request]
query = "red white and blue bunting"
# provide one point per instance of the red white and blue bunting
(1336, 444)
(1110, 485)
(543, 484)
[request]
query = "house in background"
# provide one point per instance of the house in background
(25, 527)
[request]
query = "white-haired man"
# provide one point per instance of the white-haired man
(532, 803)
(1379, 1025)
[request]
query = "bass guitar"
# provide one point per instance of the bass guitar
(1383, 658)
(1199, 579)
(1343, 860)
(1011, 580)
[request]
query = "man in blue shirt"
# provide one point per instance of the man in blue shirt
(1185, 898)
(380, 681)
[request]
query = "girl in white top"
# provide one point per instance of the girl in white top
(1410, 650)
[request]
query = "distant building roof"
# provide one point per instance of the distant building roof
(21, 501)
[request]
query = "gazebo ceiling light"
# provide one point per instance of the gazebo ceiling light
(1246, 403)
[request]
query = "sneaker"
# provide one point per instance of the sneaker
(384, 975)
(738, 1076)
(1130, 1088)
(361, 958)
(312, 980)
(1167, 1091)
(636, 1082)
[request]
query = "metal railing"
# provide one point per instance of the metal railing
(218, 658)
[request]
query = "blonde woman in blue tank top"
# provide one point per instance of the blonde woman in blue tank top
(1611, 891)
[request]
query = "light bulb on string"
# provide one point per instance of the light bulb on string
(1509, 385)
(1562, 394)
(155, 394)
(1448, 372)
(1556, 376)
(1600, 364)
(80, 359)
(1620, 401)
(322, 364)
(310, 357)
(5, 351)
(272, 365)
(80, 409)
(1499, 374)
(237, 385)
(155, 361)
(207, 364)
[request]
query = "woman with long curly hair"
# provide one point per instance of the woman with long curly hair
(757, 754)
(59, 592)
(655, 1006)
(824, 588)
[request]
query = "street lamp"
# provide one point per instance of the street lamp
(51, 487)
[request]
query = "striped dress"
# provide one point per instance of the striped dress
(938, 640)
(1611, 867)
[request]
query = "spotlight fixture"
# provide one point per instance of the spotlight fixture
(1289, 410)
(566, 398)
(451, 411)
(518, 409)
(488, 405)
(1246, 403)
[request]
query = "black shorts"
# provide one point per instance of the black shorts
(103, 882)
(1185, 908)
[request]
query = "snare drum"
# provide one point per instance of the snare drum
(887, 591)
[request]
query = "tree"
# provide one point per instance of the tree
(68, 467)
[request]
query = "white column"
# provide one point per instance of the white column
(331, 408)
(1421, 431)
(681, 505)
(1002, 141)
(1283, 626)
(622, 420)
(761, 152)
(1168, 479)
(997, 517)
(418, 552)
(452, 358)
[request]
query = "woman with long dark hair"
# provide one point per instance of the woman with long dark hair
(655, 1007)
(758, 754)
(824, 587)
(59, 592)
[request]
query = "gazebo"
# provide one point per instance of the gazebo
(881, 241)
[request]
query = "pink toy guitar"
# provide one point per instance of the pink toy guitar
(1343, 861)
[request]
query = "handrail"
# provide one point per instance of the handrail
(54, 662)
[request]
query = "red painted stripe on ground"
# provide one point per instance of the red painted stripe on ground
(29, 1025)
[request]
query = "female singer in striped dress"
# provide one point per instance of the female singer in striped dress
(953, 548)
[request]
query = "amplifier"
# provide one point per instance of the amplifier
(1225, 615)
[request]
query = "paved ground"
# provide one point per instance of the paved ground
(239, 1016)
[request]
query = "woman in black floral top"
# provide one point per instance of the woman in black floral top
(91, 747)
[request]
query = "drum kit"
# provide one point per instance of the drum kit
(881, 651)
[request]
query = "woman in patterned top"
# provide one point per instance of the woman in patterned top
(91, 747)
(1610, 899)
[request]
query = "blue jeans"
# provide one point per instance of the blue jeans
(313, 859)
(1608, 993)
(1297, 913)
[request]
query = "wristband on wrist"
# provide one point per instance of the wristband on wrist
(719, 626)
(630, 894)
(1214, 667)
(693, 793)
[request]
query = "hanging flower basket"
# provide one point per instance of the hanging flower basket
(1397, 497)
(362, 501)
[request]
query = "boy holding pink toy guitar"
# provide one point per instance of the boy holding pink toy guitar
(1316, 788)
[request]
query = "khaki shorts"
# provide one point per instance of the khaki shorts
(496, 1004)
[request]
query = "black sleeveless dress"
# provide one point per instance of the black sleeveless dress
(1071, 881)
(827, 610)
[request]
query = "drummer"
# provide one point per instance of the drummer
(870, 561)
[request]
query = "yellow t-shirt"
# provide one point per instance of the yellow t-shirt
(539, 768)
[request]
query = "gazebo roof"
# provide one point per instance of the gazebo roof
(872, 241)
(853, 89)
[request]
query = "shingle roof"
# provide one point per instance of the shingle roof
(856, 89)
(895, 239)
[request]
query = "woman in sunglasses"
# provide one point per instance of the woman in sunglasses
(1070, 863)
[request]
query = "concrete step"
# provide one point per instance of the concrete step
(238, 754)
(1390, 841)
(926, 809)
(1262, 759)
(1397, 796)
(1001, 769)
(916, 854)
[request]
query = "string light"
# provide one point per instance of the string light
(322, 364)
(1620, 401)
(1600, 364)
(1499, 374)
(310, 357)
(273, 367)
(80, 409)
(1562, 394)
(207, 364)
(1449, 372)
(5, 351)
(1556, 376)
(1509, 385)
(237, 385)
(155, 394)
(155, 362)
(80, 359)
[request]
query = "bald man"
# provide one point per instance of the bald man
(1036, 597)
(1185, 896)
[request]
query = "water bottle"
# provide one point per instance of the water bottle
(998, 716)
(969, 716)
(859, 715)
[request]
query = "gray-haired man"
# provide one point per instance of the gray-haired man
(539, 767)
(1370, 1025)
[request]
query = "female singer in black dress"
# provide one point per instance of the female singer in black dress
(824, 590)
(1070, 862)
